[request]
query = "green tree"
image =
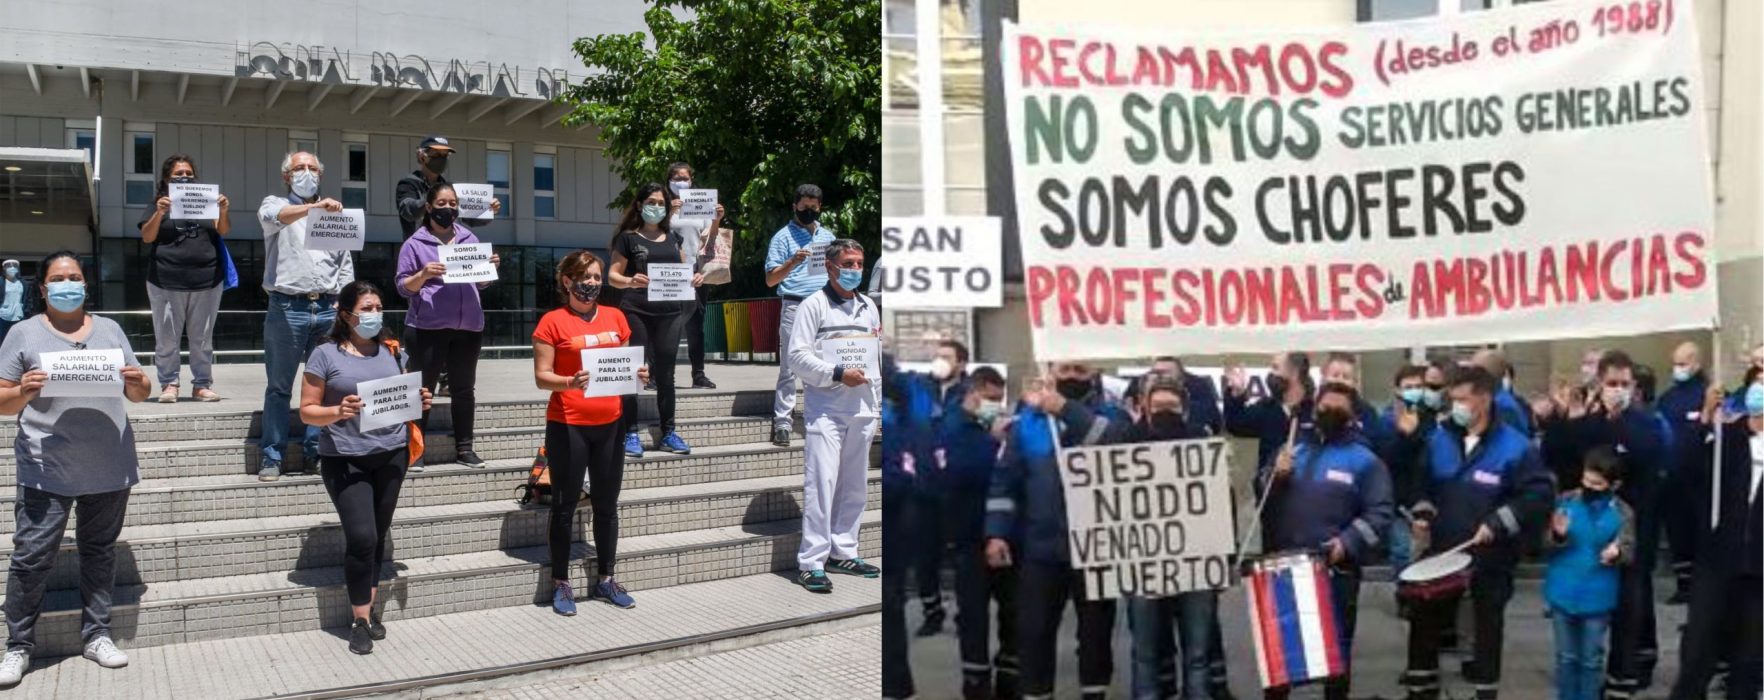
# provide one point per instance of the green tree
(759, 96)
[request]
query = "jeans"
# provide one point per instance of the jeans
(364, 488)
(291, 329)
(897, 675)
(455, 353)
(42, 521)
(1045, 587)
(1154, 649)
(591, 456)
(1580, 654)
(180, 314)
(785, 400)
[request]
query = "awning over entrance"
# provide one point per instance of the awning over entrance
(45, 187)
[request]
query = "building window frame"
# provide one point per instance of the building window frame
(492, 153)
(356, 186)
(303, 140)
(545, 199)
(75, 130)
(135, 171)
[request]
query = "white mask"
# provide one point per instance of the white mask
(305, 183)
(942, 369)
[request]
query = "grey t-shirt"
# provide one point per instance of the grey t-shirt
(341, 372)
(70, 446)
(691, 233)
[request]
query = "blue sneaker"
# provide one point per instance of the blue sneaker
(633, 446)
(672, 442)
(563, 600)
(271, 470)
(613, 592)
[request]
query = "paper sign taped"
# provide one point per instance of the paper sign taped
(467, 262)
(341, 230)
(193, 201)
(390, 401)
(474, 200)
(671, 282)
(86, 373)
(698, 204)
(611, 371)
(860, 352)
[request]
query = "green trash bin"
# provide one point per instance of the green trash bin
(716, 342)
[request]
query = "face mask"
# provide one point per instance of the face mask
(1413, 396)
(1616, 398)
(183, 179)
(67, 296)
(437, 164)
(1277, 387)
(1682, 374)
(1595, 496)
(1507, 383)
(850, 279)
(653, 213)
(11, 271)
(1755, 400)
(443, 217)
(808, 216)
(1588, 374)
(1165, 424)
(1433, 398)
(988, 412)
(941, 369)
(368, 324)
(1332, 423)
(1462, 415)
(305, 183)
(585, 292)
(1073, 389)
(679, 185)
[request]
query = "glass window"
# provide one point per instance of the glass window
(544, 177)
(142, 162)
(543, 172)
(544, 207)
(355, 185)
(497, 168)
(87, 140)
(138, 186)
(357, 162)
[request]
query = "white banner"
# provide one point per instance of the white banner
(611, 371)
(82, 373)
(671, 282)
(1521, 174)
(343, 230)
(698, 204)
(192, 201)
(859, 352)
(467, 262)
(949, 262)
(390, 401)
(474, 200)
(1150, 518)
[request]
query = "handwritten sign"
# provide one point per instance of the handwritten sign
(1149, 519)
(698, 204)
(390, 401)
(671, 282)
(611, 371)
(474, 200)
(193, 201)
(816, 264)
(342, 230)
(467, 262)
(83, 373)
(860, 352)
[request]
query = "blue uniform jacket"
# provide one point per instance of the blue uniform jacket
(1510, 410)
(1501, 483)
(966, 451)
(1576, 582)
(1027, 500)
(1402, 456)
(1682, 408)
(1267, 422)
(1638, 438)
(1336, 489)
(907, 431)
(1203, 404)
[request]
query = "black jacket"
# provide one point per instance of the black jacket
(411, 191)
(1736, 546)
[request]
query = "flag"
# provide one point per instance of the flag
(1292, 619)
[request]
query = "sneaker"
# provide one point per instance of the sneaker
(376, 629)
(699, 381)
(12, 668)
(168, 393)
(649, 385)
(270, 471)
(563, 600)
(815, 581)
(470, 459)
(933, 624)
(205, 394)
(855, 566)
(613, 592)
(104, 651)
(361, 638)
(417, 466)
(633, 446)
(781, 437)
(672, 442)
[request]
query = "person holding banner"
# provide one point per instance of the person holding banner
(186, 273)
(697, 242)
(1291, 392)
(444, 329)
(789, 268)
(76, 455)
(363, 470)
(1485, 485)
(969, 436)
(581, 432)
(644, 239)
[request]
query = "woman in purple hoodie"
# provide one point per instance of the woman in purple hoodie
(444, 329)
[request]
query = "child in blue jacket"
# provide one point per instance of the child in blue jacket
(1591, 536)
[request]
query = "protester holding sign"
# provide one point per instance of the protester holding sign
(363, 470)
(413, 191)
(698, 236)
(444, 330)
(906, 420)
(74, 454)
(581, 433)
(949, 373)
(186, 273)
(969, 435)
(790, 268)
(1290, 398)
(645, 238)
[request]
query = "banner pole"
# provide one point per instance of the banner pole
(1715, 459)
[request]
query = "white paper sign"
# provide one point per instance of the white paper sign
(83, 373)
(947, 262)
(467, 262)
(474, 200)
(343, 230)
(611, 371)
(1149, 518)
(862, 352)
(390, 401)
(698, 204)
(671, 282)
(193, 201)
(816, 263)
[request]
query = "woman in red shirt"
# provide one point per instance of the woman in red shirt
(582, 436)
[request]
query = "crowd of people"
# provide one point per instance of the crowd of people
(1582, 479)
(77, 454)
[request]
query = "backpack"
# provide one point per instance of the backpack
(413, 442)
(538, 486)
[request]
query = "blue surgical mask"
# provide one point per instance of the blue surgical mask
(1413, 395)
(368, 324)
(305, 183)
(1432, 398)
(1462, 415)
(678, 185)
(1682, 374)
(1755, 400)
(653, 213)
(67, 296)
(850, 279)
(989, 411)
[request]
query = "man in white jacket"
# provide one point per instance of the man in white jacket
(841, 407)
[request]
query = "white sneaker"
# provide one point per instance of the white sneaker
(12, 668)
(104, 651)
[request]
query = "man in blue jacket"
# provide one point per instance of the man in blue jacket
(1026, 525)
(906, 448)
(949, 382)
(1290, 397)
(1682, 407)
(970, 436)
(1413, 415)
(1485, 484)
(1372, 429)
(1508, 407)
(1332, 494)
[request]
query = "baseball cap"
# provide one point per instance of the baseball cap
(438, 143)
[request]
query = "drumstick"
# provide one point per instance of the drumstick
(1262, 501)
(1459, 548)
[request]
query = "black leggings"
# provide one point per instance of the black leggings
(456, 353)
(660, 338)
(694, 331)
(365, 490)
(574, 452)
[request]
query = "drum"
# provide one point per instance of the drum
(1436, 577)
(1293, 619)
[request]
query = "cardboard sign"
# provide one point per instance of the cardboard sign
(343, 230)
(83, 373)
(390, 401)
(1150, 519)
(950, 262)
(193, 201)
(698, 204)
(671, 282)
(611, 371)
(861, 352)
(474, 200)
(467, 262)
